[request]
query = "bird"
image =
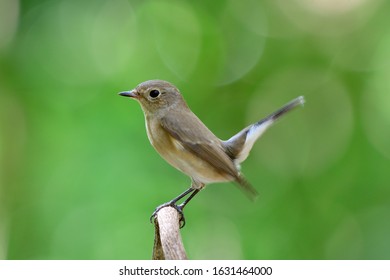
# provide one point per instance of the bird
(186, 143)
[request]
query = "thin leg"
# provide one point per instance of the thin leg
(180, 196)
(188, 199)
(180, 207)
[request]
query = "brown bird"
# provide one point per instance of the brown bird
(182, 139)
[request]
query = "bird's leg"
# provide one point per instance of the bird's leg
(180, 207)
(184, 203)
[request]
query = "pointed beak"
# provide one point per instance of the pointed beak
(131, 93)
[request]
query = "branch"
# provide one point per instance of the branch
(168, 244)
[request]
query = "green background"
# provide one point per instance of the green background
(79, 179)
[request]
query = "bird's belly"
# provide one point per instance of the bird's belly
(193, 166)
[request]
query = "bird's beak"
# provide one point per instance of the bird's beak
(131, 93)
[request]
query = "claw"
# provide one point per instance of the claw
(158, 209)
(182, 220)
(179, 208)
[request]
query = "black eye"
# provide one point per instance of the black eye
(154, 93)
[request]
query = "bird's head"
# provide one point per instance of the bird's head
(155, 96)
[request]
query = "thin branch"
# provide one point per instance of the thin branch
(168, 244)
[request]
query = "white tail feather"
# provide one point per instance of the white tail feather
(255, 131)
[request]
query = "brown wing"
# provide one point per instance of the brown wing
(201, 142)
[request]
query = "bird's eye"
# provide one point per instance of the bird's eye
(154, 93)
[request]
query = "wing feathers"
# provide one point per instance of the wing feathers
(202, 143)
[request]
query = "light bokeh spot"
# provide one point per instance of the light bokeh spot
(376, 101)
(9, 19)
(329, 18)
(113, 37)
(176, 33)
(243, 33)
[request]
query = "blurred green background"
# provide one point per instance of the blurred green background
(79, 179)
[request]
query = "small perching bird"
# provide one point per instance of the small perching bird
(181, 138)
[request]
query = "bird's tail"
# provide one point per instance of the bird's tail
(286, 108)
(247, 188)
(239, 146)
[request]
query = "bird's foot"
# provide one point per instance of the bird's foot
(179, 209)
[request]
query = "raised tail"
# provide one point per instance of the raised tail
(286, 108)
(239, 146)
